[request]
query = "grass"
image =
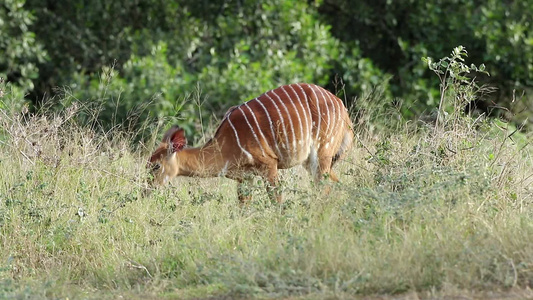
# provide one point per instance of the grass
(417, 213)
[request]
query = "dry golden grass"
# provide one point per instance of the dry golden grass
(417, 214)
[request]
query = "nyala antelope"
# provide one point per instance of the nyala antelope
(296, 124)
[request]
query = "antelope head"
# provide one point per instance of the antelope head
(164, 162)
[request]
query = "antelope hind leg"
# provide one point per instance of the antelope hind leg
(325, 172)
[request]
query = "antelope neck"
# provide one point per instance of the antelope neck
(205, 161)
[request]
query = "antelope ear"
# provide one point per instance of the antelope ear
(178, 140)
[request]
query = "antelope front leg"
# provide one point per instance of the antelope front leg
(243, 191)
(272, 184)
(333, 176)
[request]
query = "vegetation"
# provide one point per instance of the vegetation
(434, 208)
(125, 56)
(435, 198)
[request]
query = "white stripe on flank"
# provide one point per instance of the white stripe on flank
(327, 110)
(290, 120)
(257, 123)
(334, 113)
(274, 138)
(281, 119)
(307, 132)
(318, 112)
(346, 140)
(310, 124)
(313, 163)
(342, 112)
(224, 170)
(251, 128)
(339, 112)
(250, 158)
(297, 114)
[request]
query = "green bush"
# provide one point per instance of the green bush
(274, 43)
(231, 51)
(20, 52)
(417, 213)
(395, 34)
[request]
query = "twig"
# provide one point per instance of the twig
(117, 176)
(21, 152)
(136, 265)
(515, 273)
(364, 146)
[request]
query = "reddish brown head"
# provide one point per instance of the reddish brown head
(164, 163)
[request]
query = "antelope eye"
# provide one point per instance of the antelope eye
(156, 167)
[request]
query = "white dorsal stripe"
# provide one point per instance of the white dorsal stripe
(290, 120)
(297, 114)
(310, 121)
(318, 113)
(281, 120)
(274, 138)
(307, 133)
(250, 157)
(327, 110)
(251, 128)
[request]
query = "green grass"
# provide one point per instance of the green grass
(415, 213)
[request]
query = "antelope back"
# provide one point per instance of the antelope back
(287, 123)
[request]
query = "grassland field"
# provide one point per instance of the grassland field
(418, 213)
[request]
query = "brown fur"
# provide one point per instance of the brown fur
(291, 125)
